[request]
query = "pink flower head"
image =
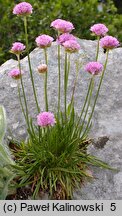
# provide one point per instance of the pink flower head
(17, 48)
(71, 46)
(62, 26)
(109, 42)
(23, 8)
(44, 41)
(15, 73)
(94, 68)
(46, 119)
(99, 29)
(65, 37)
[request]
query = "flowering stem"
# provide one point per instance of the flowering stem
(89, 101)
(75, 83)
(59, 78)
(24, 96)
(98, 47)
(65, 86)
(21, 101)
(29, 62)
(96, 97)
(45, 83)
(68, 70)
(85, 102)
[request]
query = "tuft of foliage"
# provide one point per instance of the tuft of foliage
(55, 159)
(6, 174)
(46, 11)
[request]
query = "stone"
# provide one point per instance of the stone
(107, 120)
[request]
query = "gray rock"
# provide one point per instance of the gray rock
(107, 120)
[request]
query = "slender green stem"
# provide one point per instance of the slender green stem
(29, 62)
(68, 69)
(45, 83)
(39, 134)
(88, 104)
(21, 101)
(65, 86)
(23, 90)
(59, 79)
(75, 83)
(98, 47)
(85, 102)
(97, 94)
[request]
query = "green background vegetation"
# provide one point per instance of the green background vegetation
(82, 13)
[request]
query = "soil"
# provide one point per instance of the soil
(21, 194)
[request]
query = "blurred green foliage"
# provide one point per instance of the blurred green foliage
(82, 13)
(6, 174)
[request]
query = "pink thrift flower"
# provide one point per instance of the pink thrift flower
(23, 8)
(46, 119)
(65, 37)
(44, 41)
(71, 46)
(17, 48)
(15, 73)
(109, 42)
(94, 68)
(99, 29)
(62, 26)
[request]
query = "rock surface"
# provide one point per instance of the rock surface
(107, 121)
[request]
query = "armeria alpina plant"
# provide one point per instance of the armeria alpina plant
(54, 159)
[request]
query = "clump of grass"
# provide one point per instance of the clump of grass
(58, 162)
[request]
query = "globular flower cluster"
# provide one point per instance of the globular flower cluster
(62, 26)
(23, 9)
(71, 46)
(65, 37)
(15, 73)
(17, 48)
(94, 68)
(45, 119)
(109, 42)
(67, 40)
(44, 41)
(99, 29)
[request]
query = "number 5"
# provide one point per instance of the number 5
(113, 207)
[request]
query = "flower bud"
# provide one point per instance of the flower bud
(42, 68)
